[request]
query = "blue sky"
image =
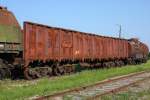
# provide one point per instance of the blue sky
(95, 16)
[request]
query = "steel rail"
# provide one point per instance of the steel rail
(60, 94)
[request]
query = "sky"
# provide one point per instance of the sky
(100, 17)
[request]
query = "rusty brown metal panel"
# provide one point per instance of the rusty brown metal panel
(110, 48)
(113, 48)
(40, 43)
(129, 49)
(117, 48)
(126, 49)
(77, 45)
(127, 46)
(95, 56)
(123, 49)
(103, 48)
(80, 38)
(66, 44)
(87, 45)
(56, 44)
(26, 36)
(112, 55)
(100, 48)
(97, 47)
(120, 49)
(91, 46)
(107, 47)
(95, 53)
(84, 46)
(49, 43)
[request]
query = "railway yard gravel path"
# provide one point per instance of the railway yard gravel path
(137, 91)
(95, 91)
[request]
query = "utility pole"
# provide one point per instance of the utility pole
(120, 30)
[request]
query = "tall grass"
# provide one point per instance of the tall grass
(11, 90)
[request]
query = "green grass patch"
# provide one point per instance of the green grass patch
(18, 90)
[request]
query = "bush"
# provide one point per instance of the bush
(149, 56)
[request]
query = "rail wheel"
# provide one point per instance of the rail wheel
(38, 72)
(26, 74)
(1, 74)
(58, 70)
(69, 69)
(5, 71)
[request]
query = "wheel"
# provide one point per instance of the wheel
(5, 71)
(57, 70)
(2, 74)
(38, 72)
(26, 74)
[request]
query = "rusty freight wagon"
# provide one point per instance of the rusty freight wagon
(39, 50)
(52, 50)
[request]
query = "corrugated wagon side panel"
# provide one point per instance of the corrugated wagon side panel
(100, 48)
(81, 46)
(34, 42)
(117, 49)
(26, 46)
(126, 49)
(49, 43)
(113, 48)
(90, 46)
(56, 45)
(97, 47)
(104, 48)
(66, 41)
(121, 50)
(110, 48)
(78, 46)
(41, 43)
(86, 46)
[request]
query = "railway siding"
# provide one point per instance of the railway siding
(99, 89)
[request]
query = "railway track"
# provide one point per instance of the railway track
(95, 91)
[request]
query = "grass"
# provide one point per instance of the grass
(21, 89)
